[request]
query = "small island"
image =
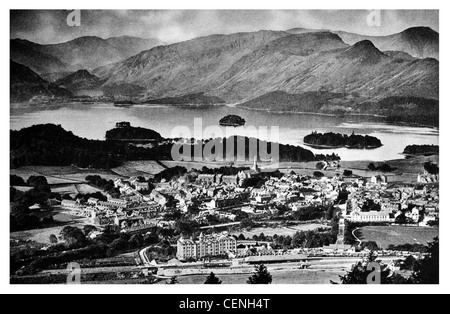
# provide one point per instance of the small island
(125, 132)
(425, 150)
(232, 120)
(336, 140)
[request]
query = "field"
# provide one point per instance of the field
(398, 235)
(406, 170)
(62, 175)
(318, 277)
(139, 168)
(42, 235)
(281, 231)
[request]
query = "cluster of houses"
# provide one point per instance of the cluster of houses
(224, 196)
(419, 203)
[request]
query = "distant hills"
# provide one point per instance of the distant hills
(80, 80)
(82, 53)
(296, 70)
(26, 84)
(419, 42)
(241, 67)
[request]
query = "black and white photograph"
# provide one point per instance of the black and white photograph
(224, 147)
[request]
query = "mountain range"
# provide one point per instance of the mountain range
(82, 53)
(299, 67)
(418, 42)
(26, 84)
(241, 67)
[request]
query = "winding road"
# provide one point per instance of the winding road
(354, 235)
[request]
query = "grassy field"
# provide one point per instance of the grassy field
(61, 175)
(42, 235)
(406, 169)
(139, 168)
(75, 189)
(398, 235)
(296, 277)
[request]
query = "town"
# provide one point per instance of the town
(216, 206)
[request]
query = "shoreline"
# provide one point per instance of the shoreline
(205, 106)
(334, 115)
(317, 146)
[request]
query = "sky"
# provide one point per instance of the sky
(50, 26)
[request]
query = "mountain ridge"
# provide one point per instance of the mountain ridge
(26, 84)
(86, 52)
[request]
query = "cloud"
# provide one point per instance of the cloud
(49, 26)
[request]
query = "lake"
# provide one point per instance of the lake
(93, 120)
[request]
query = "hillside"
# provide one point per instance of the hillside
(244, 66)
(191, 99)
(32, 55)
(419, 42)
(282, 101)
(80, 80)
(184, 68)
(82, 53)
(25, 84)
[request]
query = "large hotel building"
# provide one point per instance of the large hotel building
(206, 246)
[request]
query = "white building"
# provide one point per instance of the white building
(372, 216)
(213, 245)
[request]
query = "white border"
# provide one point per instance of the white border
(230, 4)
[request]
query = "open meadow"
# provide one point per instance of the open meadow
(398, 235)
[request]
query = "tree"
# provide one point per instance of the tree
(88, 229)
(261, 276)
(318, 174)
(241, 237)
(73, 236)
(410, 263)
(431, 168)
(370, 245)
(212, 280)
(348, 173)
(427, 270)
(173, 281)
(247, 223)
(15, 180)
(37, 181)
(53, 239)
(360, 272)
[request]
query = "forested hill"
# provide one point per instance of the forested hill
(132, 133)
(51, 145)
(335, 140)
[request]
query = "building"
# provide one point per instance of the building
(186, 249)
(379, 179)
(141, 186)
(123, 125)
(207, 178)
(276, 259)
(70, 204)
(206, 246)
(113, 203)
(372, 216)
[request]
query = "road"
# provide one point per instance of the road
(357, 239)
